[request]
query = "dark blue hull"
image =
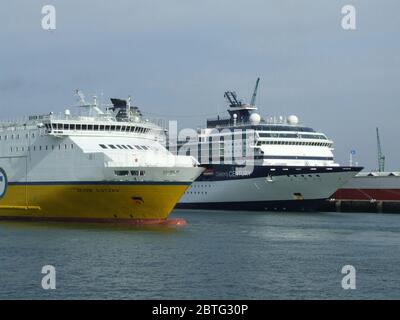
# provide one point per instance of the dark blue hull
(286, 205)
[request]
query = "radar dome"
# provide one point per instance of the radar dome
(255, 118)
(293, 120)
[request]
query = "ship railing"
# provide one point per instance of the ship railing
(227, 122)
(108, 118)
(14, 122)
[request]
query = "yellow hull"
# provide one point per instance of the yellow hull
(91, 201)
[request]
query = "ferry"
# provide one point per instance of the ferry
(98, 164)
(282, 164)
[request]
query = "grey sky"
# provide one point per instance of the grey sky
(177, 57)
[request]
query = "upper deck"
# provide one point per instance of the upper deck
(120, 119)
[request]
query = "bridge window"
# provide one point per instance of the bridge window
(103, 146)
(121, 173)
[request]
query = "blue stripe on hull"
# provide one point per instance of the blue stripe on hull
(283, 205)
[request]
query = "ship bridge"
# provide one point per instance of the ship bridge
(118, 119)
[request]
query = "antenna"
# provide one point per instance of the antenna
(381, 157)
(253, 98)
(128, 107)
(81, 97)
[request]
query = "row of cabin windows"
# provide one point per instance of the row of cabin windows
(291, 135)
(126, 147)
(95, 127)
(15, 136)
(296, 143)
(125, 173)
(41, 148)
(196, 192)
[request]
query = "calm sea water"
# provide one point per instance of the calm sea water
(219, 255)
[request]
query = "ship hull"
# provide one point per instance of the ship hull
(91, 201)
(266, 189)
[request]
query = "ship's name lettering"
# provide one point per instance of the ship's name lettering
(233, 173)
(97, 190)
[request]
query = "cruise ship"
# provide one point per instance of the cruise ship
(277, 163)
(102, 163)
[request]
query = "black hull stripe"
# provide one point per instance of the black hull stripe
(284, 205)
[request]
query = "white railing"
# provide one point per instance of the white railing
(107, 118)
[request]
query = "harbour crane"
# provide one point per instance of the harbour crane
(381, 157)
